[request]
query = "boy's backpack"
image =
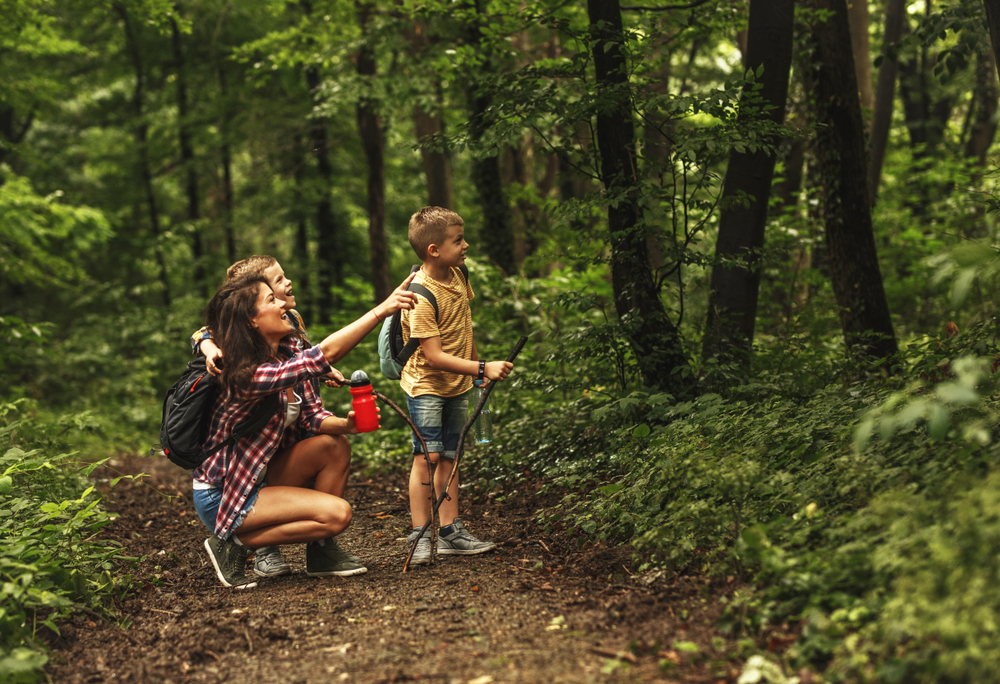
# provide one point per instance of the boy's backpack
(392, 352)
(186, 414)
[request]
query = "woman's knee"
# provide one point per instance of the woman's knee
(336, 515)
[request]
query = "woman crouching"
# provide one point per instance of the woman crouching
(276, 487)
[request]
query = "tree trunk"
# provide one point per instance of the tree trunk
(857, 14)
(654, 338)
(373, 143)
(187, 160)
(984, 103)
(733, 296)
(225, 130)
(437, 163)
(993, 21)
(496, 234)
(330, 270)
(142, 148)
(885, 92)
(853, 261)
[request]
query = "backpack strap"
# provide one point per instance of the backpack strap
(255, 422)
(411, 345)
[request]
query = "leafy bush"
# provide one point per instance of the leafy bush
(51, 563)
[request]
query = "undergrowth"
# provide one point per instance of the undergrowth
(51, 562)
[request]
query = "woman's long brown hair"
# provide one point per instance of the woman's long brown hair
(229, 316)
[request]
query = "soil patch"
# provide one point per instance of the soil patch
(539, 609)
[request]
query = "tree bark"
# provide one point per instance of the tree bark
(993, 22)
(330, 270)
(885, 92)
(373, 143)
(496, 234)
(142, 149)
(225, 130)
(733, 296)
(984, 104)
(857, 14)
(187, 160)
(853, 261)
(436, 163)
(654, 338)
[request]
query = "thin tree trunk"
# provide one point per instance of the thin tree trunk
(854, 267)
(437, 163)
(330, 270)
(732, 309)
(984, 125)
(654, 338)
(142, 148)
(885, 92)
(225, 129)
(993, 22)
(857, 14)
(187, 159)
(496, 234)
(372, 141)
(305, 300)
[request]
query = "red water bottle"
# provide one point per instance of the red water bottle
(365, 414)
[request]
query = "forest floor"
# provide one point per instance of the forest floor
(538, 609)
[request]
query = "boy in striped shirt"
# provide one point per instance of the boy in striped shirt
(438, 376)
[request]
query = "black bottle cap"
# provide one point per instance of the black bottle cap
(359, 379)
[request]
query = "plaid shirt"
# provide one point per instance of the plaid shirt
(237, 468)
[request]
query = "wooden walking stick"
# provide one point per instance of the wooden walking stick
(458, 454)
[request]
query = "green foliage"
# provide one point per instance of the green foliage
(51, 563)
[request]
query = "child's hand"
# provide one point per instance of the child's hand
(334, 378)
(401, 298)
(498, 370)
(213, 357)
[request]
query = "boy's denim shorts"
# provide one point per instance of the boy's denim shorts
(439, 420)
(206, 503)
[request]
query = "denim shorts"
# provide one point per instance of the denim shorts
(206, 503)
(440, 420)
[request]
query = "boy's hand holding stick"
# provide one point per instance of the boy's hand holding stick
(461, 448)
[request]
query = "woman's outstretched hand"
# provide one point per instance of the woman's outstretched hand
(401, 298)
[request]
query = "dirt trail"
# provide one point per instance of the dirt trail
(537, 610)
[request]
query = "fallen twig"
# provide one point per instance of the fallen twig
(612, 653)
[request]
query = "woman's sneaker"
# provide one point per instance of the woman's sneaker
(455, 540)
(325, 558)
(422, 554)
(269, 563)
(230, 562)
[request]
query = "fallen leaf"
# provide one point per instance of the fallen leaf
(475, 588)
(546, 587)
(485, 679)
(342, 649)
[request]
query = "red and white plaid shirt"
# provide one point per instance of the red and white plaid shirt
(237, 468)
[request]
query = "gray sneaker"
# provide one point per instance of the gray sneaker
(230, 562)
(460, 542)
(422, 554)
(324, 558)
(269, 563)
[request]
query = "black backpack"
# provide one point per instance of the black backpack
(392, 353)
(186, 414)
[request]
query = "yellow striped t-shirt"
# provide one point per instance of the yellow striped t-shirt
(453, 325)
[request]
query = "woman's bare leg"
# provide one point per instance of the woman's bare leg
(293, 515)
(320, 462)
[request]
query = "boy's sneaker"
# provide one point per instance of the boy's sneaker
(455, 540)
(325, 558)
(269, 563)
(422, 554)
(230, 562)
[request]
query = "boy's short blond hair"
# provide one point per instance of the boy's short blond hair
(429, 226)
(255, 265)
